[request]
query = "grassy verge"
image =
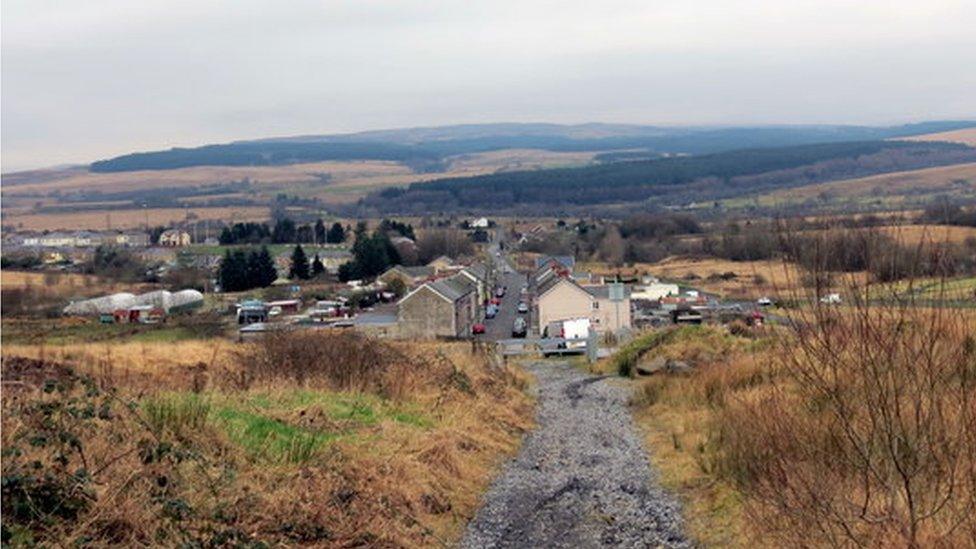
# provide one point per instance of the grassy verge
(857, 429)
(351, 442)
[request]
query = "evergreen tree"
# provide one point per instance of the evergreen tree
(349, 271)
(284, 231)
(261, 268)
(392, 255)
(373, 254)
(299, 264)
(320, 234)
(233, 274)
(317, 267)
(305, 234)
(336, 234)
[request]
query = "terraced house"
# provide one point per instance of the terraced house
(441, 308)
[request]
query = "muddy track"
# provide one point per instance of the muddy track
(582, 478)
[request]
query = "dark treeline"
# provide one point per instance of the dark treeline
(260, 154)
(285, 231)
(674, 180)
(240, 271)
(948, 213)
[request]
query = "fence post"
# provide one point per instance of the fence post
(591, 346)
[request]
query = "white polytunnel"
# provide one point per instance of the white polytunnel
(168, 301)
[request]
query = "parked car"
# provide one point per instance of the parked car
(764, 302)
(500, 291)
(523, 307)
(520, 328)
(491, 311)
(478, 328)
(495, 301)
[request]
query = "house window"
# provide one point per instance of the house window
(596, 304)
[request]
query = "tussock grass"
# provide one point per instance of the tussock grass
(855, 428)
(338, 455)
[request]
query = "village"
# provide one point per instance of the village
(524, 302)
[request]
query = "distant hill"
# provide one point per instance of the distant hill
(425, 149)
(671, 181)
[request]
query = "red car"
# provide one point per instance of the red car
(478, 328)
(495, 301)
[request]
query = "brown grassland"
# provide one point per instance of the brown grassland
(131, 218)
(752, 279)
(303, 439)
(938, 179)
(331, 182)
(965, 135)
(857, 427)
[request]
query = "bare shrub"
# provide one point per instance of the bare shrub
(340, 360)
(869, 439)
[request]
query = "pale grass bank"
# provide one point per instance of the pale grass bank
(314, 439)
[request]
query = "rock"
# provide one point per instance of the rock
(677, 366)
(648, 367)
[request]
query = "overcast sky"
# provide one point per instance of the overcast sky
(83, 80)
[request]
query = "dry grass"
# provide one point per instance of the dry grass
(856, 430)
(676, 413)
(288, 461)
(24, 279)
(966, 136)
(879, 186)
(752, 280)
(129, 219)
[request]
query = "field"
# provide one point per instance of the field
(331, 182)
(753, 279)
(130, 218)
(966, 135)
(334, 440)
(893, 189)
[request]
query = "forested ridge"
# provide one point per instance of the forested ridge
(673, 180)
(427, 149)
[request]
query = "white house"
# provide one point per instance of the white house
(654, 291)
(175, 238)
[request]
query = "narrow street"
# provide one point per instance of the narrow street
(582, 478)
(500, 327)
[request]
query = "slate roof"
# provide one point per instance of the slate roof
(479, 270)
(450, 288)
(551, 282)
(603, 291)
(421, 271)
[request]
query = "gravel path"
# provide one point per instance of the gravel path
(582, 478)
